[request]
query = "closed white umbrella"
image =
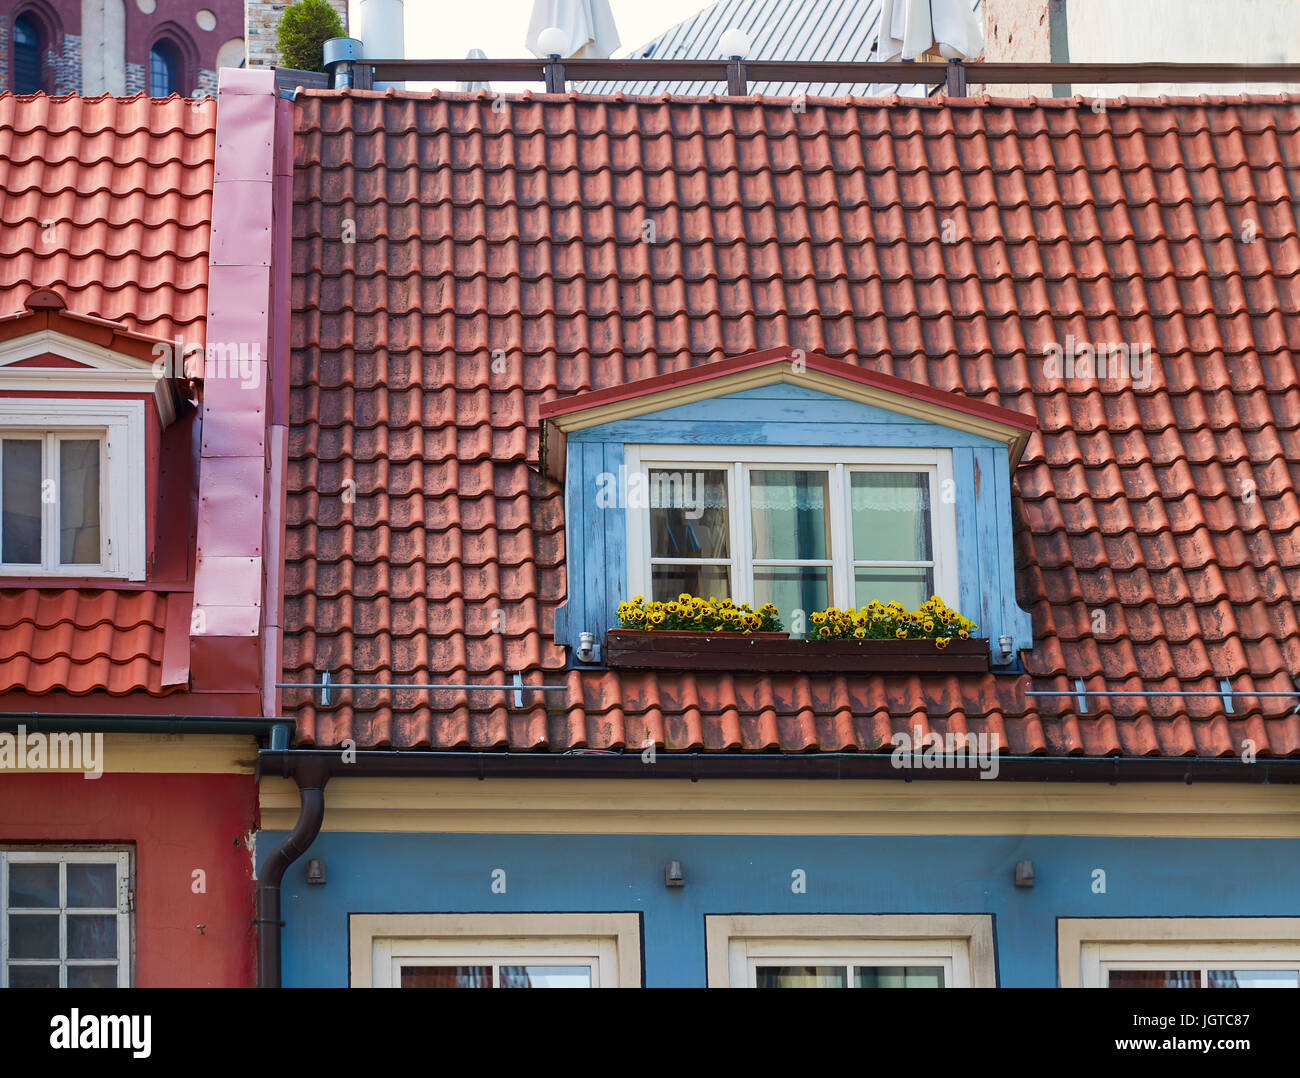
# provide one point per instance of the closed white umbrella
(587, 26)
(910, 27)
(474, 87)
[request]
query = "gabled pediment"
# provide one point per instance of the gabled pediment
(807, 370)
(47, 349)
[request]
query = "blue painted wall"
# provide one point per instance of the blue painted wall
(441, 873)
(785, 414)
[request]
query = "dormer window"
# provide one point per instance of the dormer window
(789, 478)
(798, 527)
(83, 406)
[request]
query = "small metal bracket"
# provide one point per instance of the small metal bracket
(518, 695)
(325, 689)
(1225, 687)
(1080, 696)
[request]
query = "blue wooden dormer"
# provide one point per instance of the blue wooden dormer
(792, 478)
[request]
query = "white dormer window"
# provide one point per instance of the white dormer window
(798, 527)
(72, 488)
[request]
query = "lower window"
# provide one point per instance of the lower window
(544, 950)
(850, 951)
(67, 920)
(1180, 952)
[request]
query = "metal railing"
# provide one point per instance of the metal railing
(954, 75)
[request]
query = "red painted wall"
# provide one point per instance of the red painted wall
(177, 823)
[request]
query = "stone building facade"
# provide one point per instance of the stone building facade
(119, 46)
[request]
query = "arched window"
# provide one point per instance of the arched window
(164, 69)
(29, 56)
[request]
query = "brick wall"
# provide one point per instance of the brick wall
(261, 22)
(64, 66)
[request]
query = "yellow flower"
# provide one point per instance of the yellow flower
(823, 631)
(638, 599)
(859, 633)
(900, 633)
(963, 633)
(929, 625)
(941, 642)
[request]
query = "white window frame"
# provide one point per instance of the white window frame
(62, 856)
(609, 944)
(1089, 948)
(121, 426)
(962, 944)
(737, 461)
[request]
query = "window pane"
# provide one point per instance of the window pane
(545, 976)
(28, 58)
(162, 70)
(791, 516)
(688, 514)
(79, 501)
(911, 587)
(33, 976)
(1253, 978)
(92, 886)
(1155, 978)
(34, 935)
(92, 976)
(669, 581)
(793, 587)
(446, 976)
(898, 977)
(92, 935)
(800, 977)
(33, 885)
(891, 516)
(21, 480)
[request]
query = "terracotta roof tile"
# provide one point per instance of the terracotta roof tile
(82, 641)
(106, 201)
(1171, 510)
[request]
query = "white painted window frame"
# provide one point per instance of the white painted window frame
(121, 425)
(1089, 948)
(63, 856)
(736, 461)
(961, 943)
(609, 944)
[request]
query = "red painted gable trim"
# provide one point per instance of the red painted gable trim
(815, 361)
(83, 327)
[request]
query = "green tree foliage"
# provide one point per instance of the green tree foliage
(305, 26)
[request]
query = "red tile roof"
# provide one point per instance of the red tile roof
(1157, 530)
(107, 203)
(79, 641)
(108, 200)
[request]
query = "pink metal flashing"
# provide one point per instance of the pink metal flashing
(234, 626)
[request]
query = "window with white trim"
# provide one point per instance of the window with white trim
(552, 950)
(67, 918)
(800, 528)
(1179, 952)
(72, 485)
(849, 951)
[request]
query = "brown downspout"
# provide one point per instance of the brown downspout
(311, 777)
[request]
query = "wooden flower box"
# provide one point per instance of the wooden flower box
(773, 653)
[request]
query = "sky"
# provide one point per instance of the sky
(445, 29)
